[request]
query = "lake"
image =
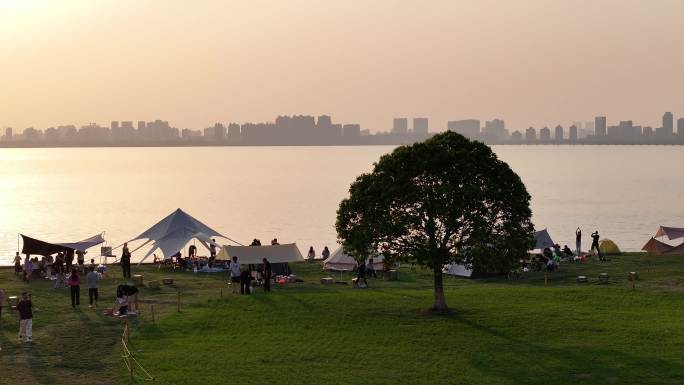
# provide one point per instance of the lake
(292, 193)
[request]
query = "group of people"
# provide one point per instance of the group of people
(243, 278)
(311, 255)
(551, 257)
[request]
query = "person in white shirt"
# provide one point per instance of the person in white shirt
(234, 268)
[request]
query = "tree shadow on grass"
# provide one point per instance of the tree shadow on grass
(529, 362)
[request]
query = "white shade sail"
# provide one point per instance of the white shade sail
(253, 255)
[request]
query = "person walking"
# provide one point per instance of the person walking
(93, 278)
(25, 309)
(126, 261)
(267, 275)
(578, 242)
(74, 283)
(234, 268)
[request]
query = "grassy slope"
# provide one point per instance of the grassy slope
(500, 333)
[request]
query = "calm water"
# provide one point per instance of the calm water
(292, 192)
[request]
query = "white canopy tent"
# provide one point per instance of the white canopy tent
(341, 261)
(173, 232)
(253, 255)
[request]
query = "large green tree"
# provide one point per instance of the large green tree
(448, 199)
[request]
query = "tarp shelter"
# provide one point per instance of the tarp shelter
(657, 247)
(458, 270)
(278, 255)
(671, 233)
(542, 239)
(173, 232)
(341, 261)
(36, 246)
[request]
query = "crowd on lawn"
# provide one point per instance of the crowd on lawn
(551, 257)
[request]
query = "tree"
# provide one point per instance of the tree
(448, 199)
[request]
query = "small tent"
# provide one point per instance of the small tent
(278, 255)
(36, 246)
(174, 231)
(609, 247)
(458, 270)
(543, 240)
(341, 261)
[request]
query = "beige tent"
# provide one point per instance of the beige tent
(341, 261)
(253, 255)
(657, 247)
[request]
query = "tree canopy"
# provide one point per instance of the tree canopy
(445, 200)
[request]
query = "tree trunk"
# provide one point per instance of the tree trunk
(440, 302)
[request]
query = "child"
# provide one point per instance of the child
(24, 307)
(92, 278)
(74, 283)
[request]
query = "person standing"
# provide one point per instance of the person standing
(126, 261)
(74, 283)
(28, 268)
(595, 244)
(246, 281)
(234, 268)
(58, 271)
(17, 263)
(69, 259)
(24, 307)
(267, 275)
(93, 278)
(578, 242)
(212, 252)
(361, 266)
(370, 269)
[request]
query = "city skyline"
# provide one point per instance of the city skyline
(359, 61)
(320, 130)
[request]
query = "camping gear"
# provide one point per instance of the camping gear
(542, 240)
(603, 278)
(341, 261)
(167, 281)
(174, 231)
(138, 279)
(13, 300)
(327, 281)
(582, 279)
(36, 246)
(609, 247)
(654, 246)
(633, 276)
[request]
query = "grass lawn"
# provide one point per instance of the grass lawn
(501, 332)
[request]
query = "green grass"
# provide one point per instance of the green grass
(500, 332)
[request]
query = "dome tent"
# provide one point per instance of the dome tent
(609, 247)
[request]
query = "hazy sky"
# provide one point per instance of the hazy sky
(530, 62)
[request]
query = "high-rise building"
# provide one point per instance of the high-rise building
(420, 126)
(495, 130)
(8, 133)
(531, 134)
(668, 125)
(680, 126)
(516, 136)
(600, 129)
(558, 135)
(400, 126)
(324, 122)
(545, 134)
(352, 131)
(572, 133)
(470, 128)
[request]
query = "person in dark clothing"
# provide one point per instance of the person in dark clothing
(595, 244)
(192, 251)
(74, 283)
(69, 259)
(370, 269)
(267, 275)
(245, 281)
(126, 261)
(24, 307)
(361, 274)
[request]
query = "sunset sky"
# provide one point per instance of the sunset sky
(530, 62)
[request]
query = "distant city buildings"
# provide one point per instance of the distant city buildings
(298, 130)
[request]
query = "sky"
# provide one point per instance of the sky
(194, 63)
